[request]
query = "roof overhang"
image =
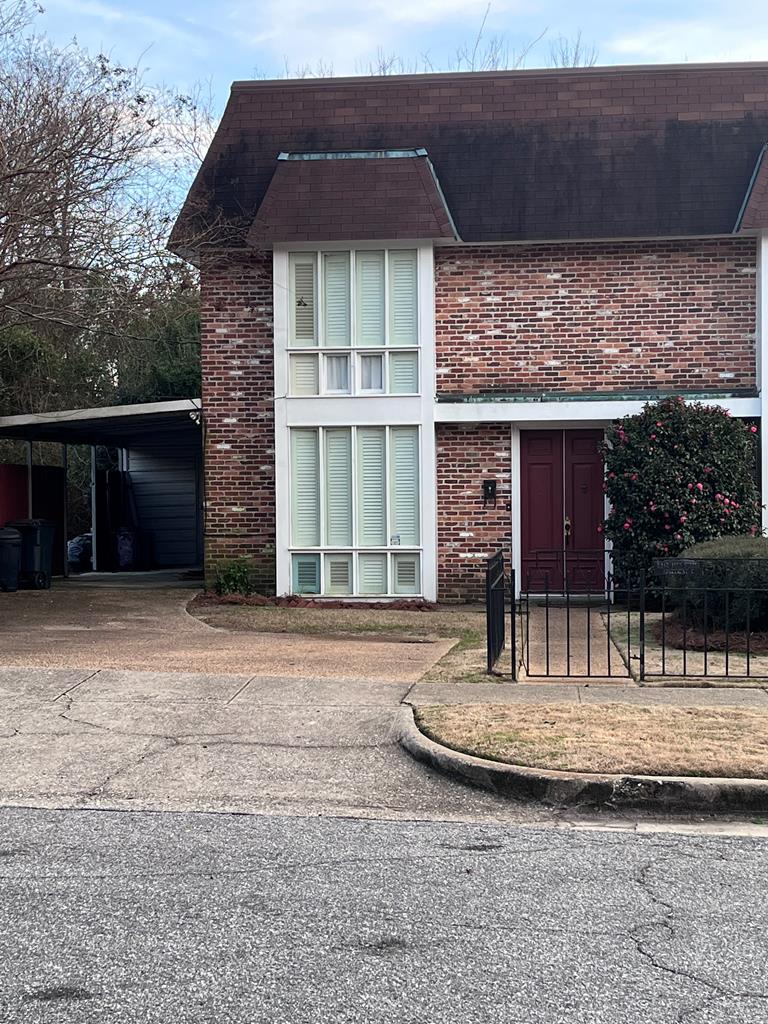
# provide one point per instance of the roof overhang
(119, 426)
(338, 196)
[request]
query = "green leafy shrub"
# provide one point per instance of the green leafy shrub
(677, 474)
(721, 584)
(234, 577)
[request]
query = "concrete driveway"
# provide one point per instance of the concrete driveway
(176, 741)
(79, 627)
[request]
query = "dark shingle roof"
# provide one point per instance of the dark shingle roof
(345, 196)
(535, 155)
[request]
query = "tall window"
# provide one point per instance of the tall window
(355, 511)
(354, 326)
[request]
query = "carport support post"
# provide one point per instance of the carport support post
(29, 479)
(93, 508)
(65, 511)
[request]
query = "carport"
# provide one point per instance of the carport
(156, 491)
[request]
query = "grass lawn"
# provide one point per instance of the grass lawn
(465, 662)
(616, 738)
(692, 665)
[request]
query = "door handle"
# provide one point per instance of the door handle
(567, 527)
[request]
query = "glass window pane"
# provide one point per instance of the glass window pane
(305, 488)
(403, 307)
(303, 300)
(336, 313)
(405, 570)
(372, 373)
(338, 574)
(404, 484)
(304, 375)
(369, 297)
(338, 486)
(404, 373)
(372, 574)
(337, 373)
(371, 487)
(306, 574)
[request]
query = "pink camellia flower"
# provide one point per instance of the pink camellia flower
(627, 526)
(727, 412)
(659, 423)
(653, 437)
(718, 497)
(726, 501)
(634, 476)
(599, 529)
(666, 548)
(699, 487)
(753, 429)
(678, 536)
(683, 518)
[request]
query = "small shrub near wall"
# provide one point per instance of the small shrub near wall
(234, 577)
(678, 474)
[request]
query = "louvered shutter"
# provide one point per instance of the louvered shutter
(403, 307)
(369, 297)
(371, 487)
(372, 574)
(338, 574)
(304, 375)
(406, 574)
(303, 299)
(336, 315)
(404, 373)
(338, 487)
(306, 574)
(305, 488)
(404, 483)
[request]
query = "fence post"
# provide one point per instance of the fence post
(642, 626)
(513, 622)
(488, 619)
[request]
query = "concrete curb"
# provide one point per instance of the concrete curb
(586, 789)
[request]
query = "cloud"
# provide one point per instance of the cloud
(695, 40)
(153, 29)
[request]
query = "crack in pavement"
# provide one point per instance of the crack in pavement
(715, 989)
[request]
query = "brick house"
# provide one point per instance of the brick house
(425, 296)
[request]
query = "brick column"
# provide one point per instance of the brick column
(238, 410)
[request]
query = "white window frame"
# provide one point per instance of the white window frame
(355, 549)
(353, 351)
(358, 409)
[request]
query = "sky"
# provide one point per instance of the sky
(181, 42)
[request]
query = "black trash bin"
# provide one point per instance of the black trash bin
(36, 551)
(10, 559)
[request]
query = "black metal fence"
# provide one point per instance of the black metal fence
(674, 623)
(495, 619)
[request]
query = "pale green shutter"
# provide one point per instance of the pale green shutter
(406, 574)
(336, 315)
(338, 574)
(403, 307)
(306, 574)
(369, 297)
(404, 373)
(305, 488)
(404, 483)
(304, 375)
(303, 299)
(371, 487)
(372, 574)
(338, 487)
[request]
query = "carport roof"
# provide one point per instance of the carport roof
(119, 426)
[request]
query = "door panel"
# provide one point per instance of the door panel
(541, 461)
(561, 481)
(584, 552)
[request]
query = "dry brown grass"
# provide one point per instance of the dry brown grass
(724, 742)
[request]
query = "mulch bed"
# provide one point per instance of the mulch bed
(695, 640)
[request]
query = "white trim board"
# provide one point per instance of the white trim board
(568, 414)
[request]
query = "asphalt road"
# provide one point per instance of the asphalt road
(174, 918)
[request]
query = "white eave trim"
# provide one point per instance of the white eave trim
(556, 414)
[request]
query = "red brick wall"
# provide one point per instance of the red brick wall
(467, 532)
(237, 364)
(596, 317)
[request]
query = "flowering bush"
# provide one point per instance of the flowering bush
(678, 474)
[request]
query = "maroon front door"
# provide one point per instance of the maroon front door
(562, 510)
